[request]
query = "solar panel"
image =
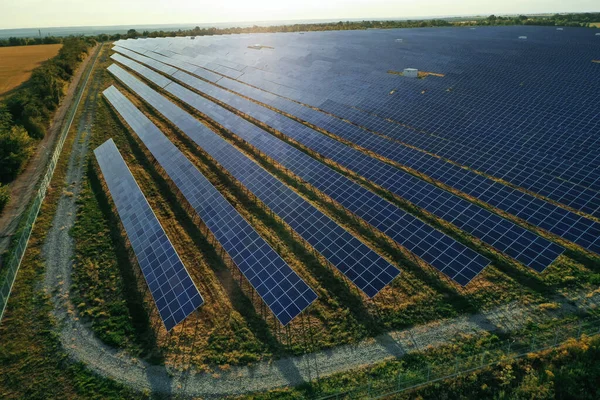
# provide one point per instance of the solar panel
(551, 164)
(526, 247)
(157, 78)
(284, 292)
(159, 66)
(171, 286)
(559, 221)
(442, 252)
(365, 268)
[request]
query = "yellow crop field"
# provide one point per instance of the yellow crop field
(16, 63)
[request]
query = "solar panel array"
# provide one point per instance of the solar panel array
(365, 268)
(524, 112)
(284, 292)
(521, 111)
(559, 221)
(171, 286)
(444, 253)
(523, 245)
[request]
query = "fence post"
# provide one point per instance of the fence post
(456, 365)
(482, 358)
(532, 342)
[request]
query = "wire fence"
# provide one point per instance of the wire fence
(15, 256)
(513, 348)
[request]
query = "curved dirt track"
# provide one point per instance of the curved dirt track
(82, 346)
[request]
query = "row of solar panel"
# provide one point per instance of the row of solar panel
(499, 165)
(528, 248)
(204, 106)
(450, 257)
(568, 225)
(369, 271)
(497, 113)
(553, 188)
(284, 292)
(170, 284)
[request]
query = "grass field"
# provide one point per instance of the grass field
(16, 63)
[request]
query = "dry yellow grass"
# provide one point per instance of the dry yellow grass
(16, 63)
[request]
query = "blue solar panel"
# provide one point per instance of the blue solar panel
(157, 65)
(171, 286)
(365, 268)
(495, 110)
(444, 253)
(528, 248)
(559, 221)
(284, 292)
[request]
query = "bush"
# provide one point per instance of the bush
(15, 149)
(4, 196)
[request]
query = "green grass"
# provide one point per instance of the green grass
(568, 371)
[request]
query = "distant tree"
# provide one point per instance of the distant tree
(132, 33)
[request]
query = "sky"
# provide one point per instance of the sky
(64, 13)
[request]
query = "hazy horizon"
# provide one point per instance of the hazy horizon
(34, 14)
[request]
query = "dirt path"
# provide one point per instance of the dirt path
(83, 346)
(23, 188)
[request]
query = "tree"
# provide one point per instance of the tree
(132, 33)
(4, 196)
(15, 149)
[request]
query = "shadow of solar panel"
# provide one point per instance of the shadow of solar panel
(284, 292)
(524, 246)
(369, 271)
(171, 286)
(461, 263)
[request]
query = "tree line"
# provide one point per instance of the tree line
(575, 20)
(25, 114)
(15, 41)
